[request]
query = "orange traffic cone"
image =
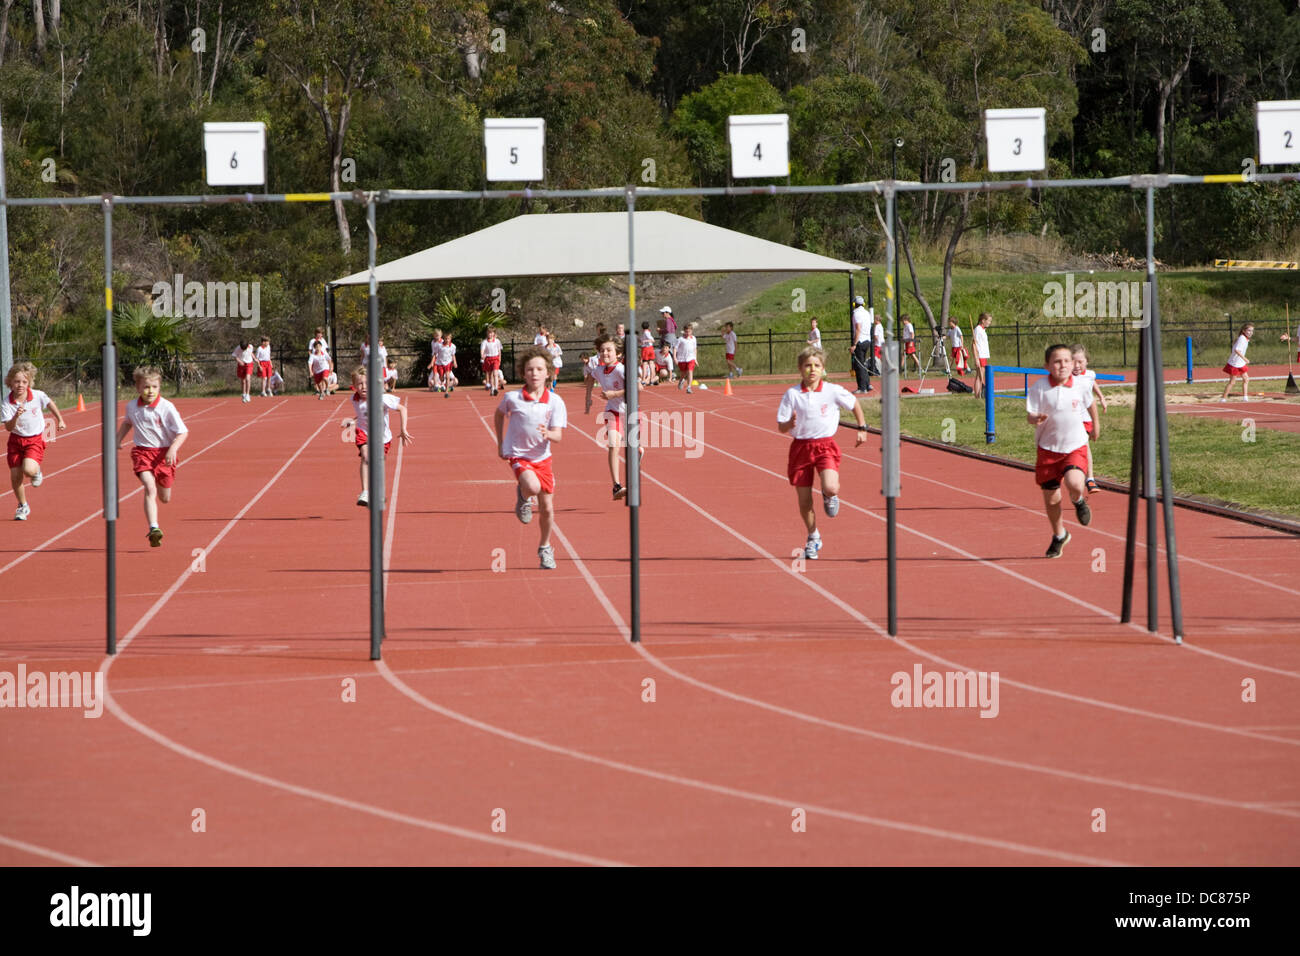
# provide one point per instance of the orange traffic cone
(81, 402)
(726, 386)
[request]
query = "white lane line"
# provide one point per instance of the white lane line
(35, 850)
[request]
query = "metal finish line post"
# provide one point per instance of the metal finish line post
(889, 424)
(108, 414)
(630, 383)
(375, 447)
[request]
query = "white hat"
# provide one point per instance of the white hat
(857, 300)
(666, 308)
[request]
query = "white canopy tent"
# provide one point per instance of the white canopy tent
(596, 243)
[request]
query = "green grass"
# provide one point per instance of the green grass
(1211, 458)
(1192, 302)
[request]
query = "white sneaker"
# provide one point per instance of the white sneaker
(681, 382)
(21, 513)
(363, 499)
(811, 547)
(523, 507)
(739, 371)
(832, 505)
(547, 557)
(37, 479)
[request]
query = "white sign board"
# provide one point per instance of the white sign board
(760, 145)
(514, 150)
(235, 154)
(1017, 140)
(1278, 123)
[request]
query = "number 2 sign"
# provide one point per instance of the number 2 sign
(235, 154)
(1278, 125)
(760, 145)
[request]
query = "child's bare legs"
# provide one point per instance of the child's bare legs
(248, 384)
(365, 469)
(151, 495)
(16, 475)
(806, 511)
(545, 512)
(1074, 485)
(1245, 386)
(613, 456)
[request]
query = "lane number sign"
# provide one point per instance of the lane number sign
(235, 154)
(760, 145)
(1017, 140)
(514, 150)
(1278, 124)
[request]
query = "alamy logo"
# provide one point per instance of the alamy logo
(1095, 300)
(660, 430)
(75, 908)
(209, 300)
(82, 690)
(923, 688)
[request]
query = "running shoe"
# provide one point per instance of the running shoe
(363, 499)
(523, 507)
(832, 505)
(619, 491)
(21, 512)
(547, 556)
(155, 537)
(37, 479)
(1058, 545)
(811, 547)
(1093, 487)
(1083, 512)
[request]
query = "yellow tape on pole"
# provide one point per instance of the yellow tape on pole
(1225, 178)
(108, 298)
(306, 197)
(631, 296)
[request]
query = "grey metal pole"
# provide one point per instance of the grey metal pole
(893, 227)
(375, 447)
(108, 448)
(6, 318)
(632, 428)
(1162, 422)
(1152, 373)
(889, 422)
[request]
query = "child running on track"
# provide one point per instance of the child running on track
(244, 366)
(361, 416)
(810, 413)
(527, 422)
(1054, 405)
(1080, 355)
(320, 366)
(489, 353)
(611, 376)
(435, 345)
(557, 358)
(685, 356)
(23, 414)
(159, 435)
(1237, 362)
(814, 333)
(729, 350)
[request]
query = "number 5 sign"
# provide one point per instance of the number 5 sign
(760, 145)
(1278, 123)
(1017, 140)
(514, 150)
(235, 154)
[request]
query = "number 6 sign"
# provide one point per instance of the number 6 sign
(760, 145)
(1017, 140)
(1278, 124)
(235, 154)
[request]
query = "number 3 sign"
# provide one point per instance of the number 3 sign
(235, 154)
(1017, 140)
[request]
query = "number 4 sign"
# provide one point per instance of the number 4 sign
(1017, 140)
(235, 153)
(760, 145)
(1278, 123)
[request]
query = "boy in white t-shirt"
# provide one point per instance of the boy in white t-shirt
(647, 364)
(981, 337)
(729, 350)
(320, 367)
(159, 435)
(810, 413)
(1054, 405)
(435, 379)
(909, 345)
(489, 353)
(527, 421)
(361, 419)
(23, 414)
(611, 375)
(264, 369)
(959, 364)
(814, 333)
(664, 364)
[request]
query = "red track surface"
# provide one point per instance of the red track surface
(517, 691)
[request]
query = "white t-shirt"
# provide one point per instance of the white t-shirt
(954, 335)
(489, 348)
(647, 339)
(862, 319)
(264, 353)
(1235, 360)
(1063, 404)
(664, 360)
(156, 425)
(243, 356)
(319, 363)
(311, 346)
(30, 420)
(1091, 378)
(729, 342)
(816, 413)
(611, 379)
(909, 332)
(556, 352)
(878, 334)
(982, 342)
(686, 349)
(361, 412)
(815, 337)
(446, 354)
(520, 438)
(390, 375)
(539, 339)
